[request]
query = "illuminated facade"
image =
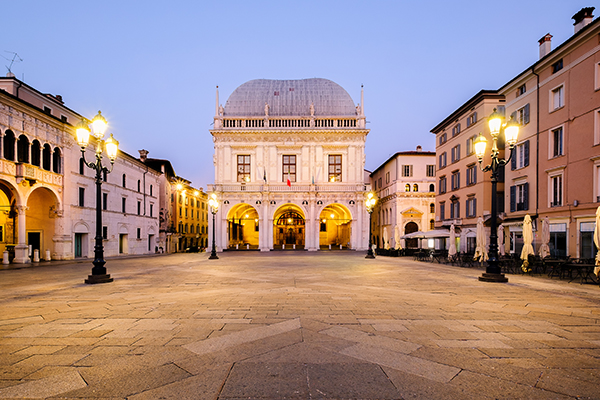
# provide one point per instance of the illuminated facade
(289, 167)
(189, 217)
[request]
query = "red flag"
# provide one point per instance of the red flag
(289, 182)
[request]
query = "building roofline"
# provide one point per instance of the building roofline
(552, 53)
(481, 95)
(403, 153)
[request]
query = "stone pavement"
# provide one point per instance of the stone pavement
(294, 325)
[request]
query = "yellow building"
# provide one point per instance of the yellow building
(189, 217)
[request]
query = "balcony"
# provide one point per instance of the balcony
(30, 173)
(291, 122)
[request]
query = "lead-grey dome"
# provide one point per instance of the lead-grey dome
(289, 98)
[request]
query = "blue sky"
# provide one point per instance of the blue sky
(152, 66)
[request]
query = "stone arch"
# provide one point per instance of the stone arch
(23, 149)
(40, 220)
(243, 227)
(411, 227)
(9, 199)
(8, 145)
(335, 226)
(289, 227)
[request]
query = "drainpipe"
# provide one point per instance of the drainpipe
(537, 144)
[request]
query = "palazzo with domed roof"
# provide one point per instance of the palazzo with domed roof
(289, 167)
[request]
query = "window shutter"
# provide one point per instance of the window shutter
(411, 170)
(453, 131)
(468, 122)
(458, 180)
(457, 209)
(474, 175)
(513, 161)
(514, 115)
(458, 152)
(526, 151)
(526, 114)
(501, 173)
(474, 117)
(526, 196)
(474, 206)
(513, 198)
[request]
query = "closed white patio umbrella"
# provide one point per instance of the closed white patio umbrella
(544, 248)
(386, 239)
(527, 241)
(481, 243)
(452, 248)
(397, 237)
(597, 242)
(500, 234)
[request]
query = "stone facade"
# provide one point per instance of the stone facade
(289, 167)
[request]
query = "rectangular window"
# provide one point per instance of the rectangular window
(586, 240)
(471, 119)
(151, 210)
(387, 177)
(243, 168)
(443, 138)
(379, 182)
(522, 115)
(556, 142)
(520, 156)
(455, 210)
(407, 170)
(471, 174)
(558, 240)
(139, 233)
(456, 130)
(471, 207)
(557, 66)
(442, 184)
(455, 180)
(104, 201)
(442, 160)
(105, 232)
(289, 168)
(455, 153)
(521, 90)
(139, 208)
(335, 168)
(430, 171)
(470, 145)
(123, 205)
(556, 190)
(519, 197)
(557, 99)
(81, 197)
(442, 211)
(323, 227)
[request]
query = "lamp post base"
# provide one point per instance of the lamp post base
(213, 256)
(93, 279)
(486, 277)
(370, 254)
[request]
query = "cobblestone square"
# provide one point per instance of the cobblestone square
(294, 325)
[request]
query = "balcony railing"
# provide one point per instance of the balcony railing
(30, 173)
(281, 188)
(288, 123)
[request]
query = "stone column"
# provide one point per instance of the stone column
(263, 233)
(1, 145)
(312, 228)
(21, 249)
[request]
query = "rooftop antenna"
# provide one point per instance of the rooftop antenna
(12, 60)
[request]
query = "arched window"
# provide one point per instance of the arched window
(431, 187)
(415, 188)
(407, 187)
(124, 180)
(35, 153)
(431, 224)
(191, 228)
(47, 157)
(432, 208)
(139, 185)
(56, 161)
(23, 149)
(9, 145)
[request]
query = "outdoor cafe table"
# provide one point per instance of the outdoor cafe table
(582, 271)
(555, 267)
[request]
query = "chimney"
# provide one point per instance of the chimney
(545, 45)
(419, 149)
(143, 155)
(583, 18)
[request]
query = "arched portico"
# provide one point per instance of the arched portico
(243, 227)
(40, 220)
(335, 227)
(8, 217)
(289, 227)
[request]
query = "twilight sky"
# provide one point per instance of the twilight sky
(152, 66)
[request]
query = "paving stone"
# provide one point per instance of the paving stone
(45, 387)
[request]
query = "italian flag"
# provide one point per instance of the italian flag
(289, 182)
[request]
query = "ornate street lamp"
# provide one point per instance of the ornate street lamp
(214, 207)
(511, 131)
(370, 204)
(111, 146)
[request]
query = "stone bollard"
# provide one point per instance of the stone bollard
(48, 257)
(283, 247)
(36, 256)
(294, 246)
(329, 247)
(247, 247)
(5, 260)
(237, 246)
(340, 246)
